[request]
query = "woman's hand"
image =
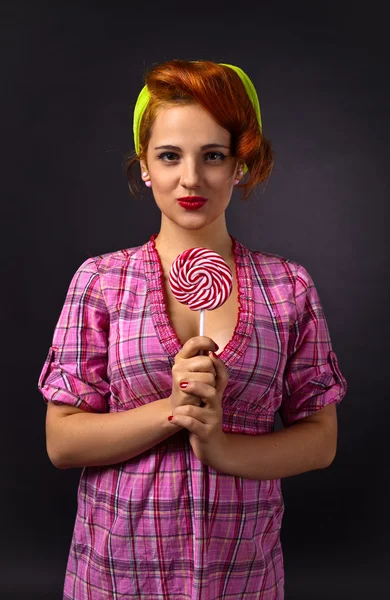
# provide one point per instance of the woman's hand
(205, 423)
(191, 367)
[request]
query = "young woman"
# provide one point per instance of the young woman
(180, 493)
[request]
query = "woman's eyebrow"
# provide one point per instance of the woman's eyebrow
(170, 147)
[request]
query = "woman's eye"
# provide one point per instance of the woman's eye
(216, 155)
(168, 155)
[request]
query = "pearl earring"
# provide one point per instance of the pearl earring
(147, 183)
(240, 174)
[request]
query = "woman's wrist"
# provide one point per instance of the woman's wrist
(166, 411)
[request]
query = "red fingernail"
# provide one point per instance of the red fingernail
(184, 384)
(215, 356)
(170, 418)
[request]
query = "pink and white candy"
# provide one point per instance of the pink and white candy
(200, 278)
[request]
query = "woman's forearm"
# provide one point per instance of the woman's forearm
(92, 439)
(296, 449)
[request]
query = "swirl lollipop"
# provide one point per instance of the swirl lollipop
(201, 279)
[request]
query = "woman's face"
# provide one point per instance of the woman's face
(189, 155)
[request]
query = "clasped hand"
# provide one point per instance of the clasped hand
(196, 378)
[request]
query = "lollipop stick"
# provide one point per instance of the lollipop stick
(201, 328)
(201, 332)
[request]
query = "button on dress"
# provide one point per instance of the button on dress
(163, 526)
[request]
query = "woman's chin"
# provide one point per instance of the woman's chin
(192, 222)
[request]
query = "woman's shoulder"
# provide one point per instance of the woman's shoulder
(277, 270)
(118, 258)
(273, 264)
(112, 261)
(113, 270)
(112, 273)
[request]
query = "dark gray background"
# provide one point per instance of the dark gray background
(71, 74)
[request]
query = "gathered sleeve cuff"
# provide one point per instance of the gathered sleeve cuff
(75, 370)
(312, 377)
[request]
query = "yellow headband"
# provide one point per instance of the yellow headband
(144, 97)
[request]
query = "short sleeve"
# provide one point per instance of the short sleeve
(75, 370)
(312, 378)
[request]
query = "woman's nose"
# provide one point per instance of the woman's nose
(190, 175)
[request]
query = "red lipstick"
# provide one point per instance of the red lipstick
(192, 202)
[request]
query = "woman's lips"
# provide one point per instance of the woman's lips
(192, 202)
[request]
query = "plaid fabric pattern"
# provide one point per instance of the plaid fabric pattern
(163, 525)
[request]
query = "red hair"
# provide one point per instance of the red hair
(220, 91)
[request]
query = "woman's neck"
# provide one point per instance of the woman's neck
(173, 240)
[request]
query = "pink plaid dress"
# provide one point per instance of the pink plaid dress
(163, 526)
